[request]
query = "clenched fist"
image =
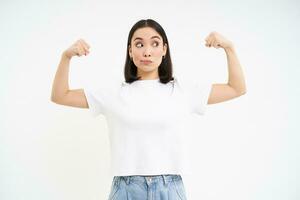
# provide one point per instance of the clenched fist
(216, 40)
(79, 48)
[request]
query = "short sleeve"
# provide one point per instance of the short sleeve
(97, 100)
(197, 93)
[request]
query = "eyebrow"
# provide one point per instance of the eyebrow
(138, 38)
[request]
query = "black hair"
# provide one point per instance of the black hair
(165, 70)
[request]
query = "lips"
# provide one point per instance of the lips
(146, 61)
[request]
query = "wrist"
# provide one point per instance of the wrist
(66, 56)
(229, 48)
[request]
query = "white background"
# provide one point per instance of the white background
(246, 148)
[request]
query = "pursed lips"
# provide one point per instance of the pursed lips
(146, 61)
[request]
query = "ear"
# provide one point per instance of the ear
(129, 51)
(165, 48)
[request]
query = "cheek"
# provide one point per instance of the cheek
(157, 52)
(137, 53)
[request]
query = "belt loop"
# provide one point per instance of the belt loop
(127, 179)
(165, 181)
(117, 179)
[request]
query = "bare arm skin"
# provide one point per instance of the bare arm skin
(61, 94)
(236, 85)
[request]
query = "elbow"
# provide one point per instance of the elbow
(57, 98)
(53, 96)
(242, 92)
(54, 99)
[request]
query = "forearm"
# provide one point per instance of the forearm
(61, 81)
(235, 74)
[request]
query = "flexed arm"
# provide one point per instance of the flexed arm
(61, 94)
(236, 85)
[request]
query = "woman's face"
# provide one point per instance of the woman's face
(146, 50)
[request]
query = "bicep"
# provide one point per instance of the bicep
(74, 98)
(222, 92)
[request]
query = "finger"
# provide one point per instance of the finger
(76, 50)
(82, 45)
(207, 39)
(86, 45)
(84, 48)
(80, 50)
(211, 41)
(207, 42)
(215, 43)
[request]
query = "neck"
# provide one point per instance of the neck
(148, 76)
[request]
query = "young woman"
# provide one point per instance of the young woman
(145, 113)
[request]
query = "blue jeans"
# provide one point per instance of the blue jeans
(157, 187)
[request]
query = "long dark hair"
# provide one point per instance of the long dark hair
(165, 70)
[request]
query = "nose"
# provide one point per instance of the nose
(147, 52)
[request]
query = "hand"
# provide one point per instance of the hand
(216, 40)
(79, 48)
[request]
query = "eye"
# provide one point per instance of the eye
(157, 43)
(138, 44)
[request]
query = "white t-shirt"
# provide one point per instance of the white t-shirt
(146, 122)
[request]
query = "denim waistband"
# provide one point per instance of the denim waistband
(148, 179)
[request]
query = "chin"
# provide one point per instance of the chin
(148, 68)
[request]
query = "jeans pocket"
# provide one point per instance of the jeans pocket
(114, 188)
(179, 187)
